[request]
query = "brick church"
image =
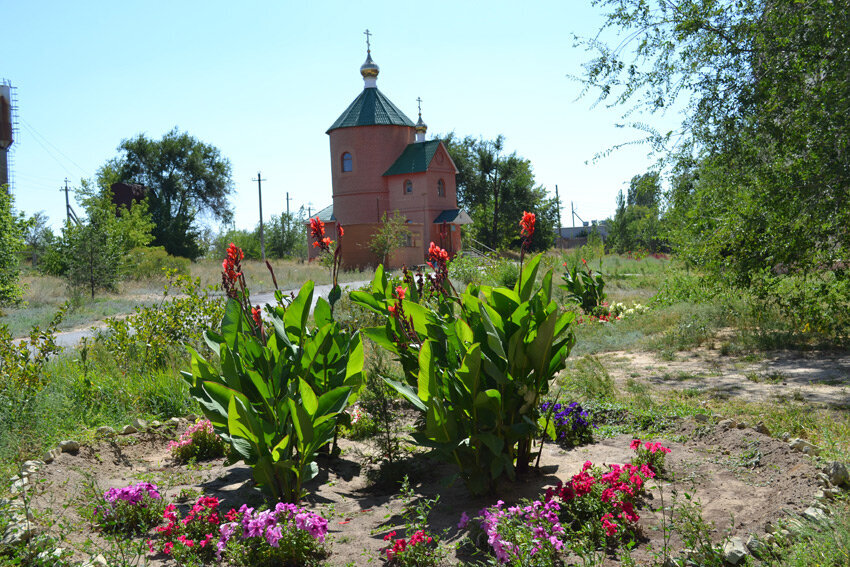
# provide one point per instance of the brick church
(381, 163)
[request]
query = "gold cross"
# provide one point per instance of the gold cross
(367, 33)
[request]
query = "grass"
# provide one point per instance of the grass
(79, 397)
(44, 294)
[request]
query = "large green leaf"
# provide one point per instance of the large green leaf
(308, 398)
(322, 313)
(407, 392)
(427, 373)
(295, 318)
(231, 322)
(525, 284)
(302, 423)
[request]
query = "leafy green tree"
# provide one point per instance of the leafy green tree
(95, 249)
(496, 189)
(286, 235)
(184, 178)
(38, 237)
(636, 224)
(12, 228)
(760, 161)
(389, 237)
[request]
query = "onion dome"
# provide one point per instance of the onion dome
(369, 70)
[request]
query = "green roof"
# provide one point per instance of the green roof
(453, 216)
(415, 158)
(326, 214)
(370, 108)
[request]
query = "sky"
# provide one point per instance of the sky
(262, 82)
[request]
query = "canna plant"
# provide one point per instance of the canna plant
(475, 363)
(584, 287)
(277, 390)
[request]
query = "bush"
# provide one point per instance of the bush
(153, 262)
(152, 334)
(466, 269)
(132, 509)
(475, 364)
(198, 443)
(11, 244)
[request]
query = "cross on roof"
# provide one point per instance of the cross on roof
(419, 102)
(367, 33)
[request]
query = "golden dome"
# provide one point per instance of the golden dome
(369, 69)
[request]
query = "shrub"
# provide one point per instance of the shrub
(287, 536)
(153, 262)
(154, 333)
(193, 537)
(572, 424)
(650, 454)
(199, 442)
(466, 269)
(475, 364)
(12, 229)
(421, 548)
(132, 509)
(277, 389)
(584, 287)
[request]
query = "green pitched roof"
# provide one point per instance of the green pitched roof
(371, 107)
(415, 158)
(326, 214)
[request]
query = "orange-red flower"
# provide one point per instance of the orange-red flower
(437, 254)
(527, 225)
(317, 228)
(256, 314)
(231, 269)
(399, 291)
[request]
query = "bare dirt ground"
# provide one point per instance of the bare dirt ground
(817, 377)
(742, 478)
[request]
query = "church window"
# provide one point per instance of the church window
(441, 188)
(346, 162)
(408, 240)
(408, 186)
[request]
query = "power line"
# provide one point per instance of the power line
(50, 153)
(36, 132)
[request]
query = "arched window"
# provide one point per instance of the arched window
(408, 186)
(441, 188)
(346, 162)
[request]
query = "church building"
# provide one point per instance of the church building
(381, 163)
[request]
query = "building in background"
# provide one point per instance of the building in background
(381, 163)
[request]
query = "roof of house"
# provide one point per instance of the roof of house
(415, 158)
(326, 214)
(453, 216)
(371, 108)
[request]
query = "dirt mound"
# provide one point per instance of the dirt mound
(742, 478)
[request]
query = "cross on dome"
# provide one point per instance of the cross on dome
(369, 70)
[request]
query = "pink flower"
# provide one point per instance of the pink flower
(464, 521)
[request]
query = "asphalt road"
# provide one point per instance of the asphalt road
(73, 338)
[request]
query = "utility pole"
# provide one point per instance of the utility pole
(259, 181)
(573, 212)
(287, 205)
(67, 202)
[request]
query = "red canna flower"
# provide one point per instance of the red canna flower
(317, 228)
(339, 230)
(231, 270)
(256, 314)
(399, 291)
(527, 225)
(437, 254)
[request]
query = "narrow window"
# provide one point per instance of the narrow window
(346, 161)
(408, 240)
(408, 186)
(441, 188)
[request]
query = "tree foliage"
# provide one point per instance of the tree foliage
(495, 189)
(12, 228)
(94, 250)
(636, 224)
(759, 186)
(389, 237)
(184, 178)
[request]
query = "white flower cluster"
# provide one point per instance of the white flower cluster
(622, 310)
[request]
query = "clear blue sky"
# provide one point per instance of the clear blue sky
(262, 81)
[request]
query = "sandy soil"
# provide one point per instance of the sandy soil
(742, 478)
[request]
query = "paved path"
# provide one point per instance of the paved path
(73, 338)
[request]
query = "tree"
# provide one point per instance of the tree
(760, 162)
(636, 224)
(95, 249)
(286, 235)
(12, 228)
(38, 236)
(184, 178)
(496, 189)
(389, 237)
